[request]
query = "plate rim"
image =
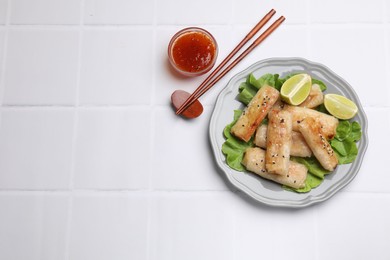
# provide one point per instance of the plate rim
(309, 200)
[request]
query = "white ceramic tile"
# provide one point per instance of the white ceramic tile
(375, 161)
(342, 50)
(387, 11)
(109, 227)
(349, 11)
(354, 226)
(115, 68)
(35, 148)
(192, 226)
(118, 12)
(3, 11)
(168, 81)
(112, 149)
(264, 231)
(45, 12)
(41, 67)
(388, 52)
(182, 158)
(194, 12)
(275, 44)
(251, 11)
(2, 41)
(33, 226)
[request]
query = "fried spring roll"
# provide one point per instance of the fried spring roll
(299, 146)
(279, 105)
(279, 133)
(255, 112)
(311, 131)
(254, 161)
(315, 98)
(328, 123)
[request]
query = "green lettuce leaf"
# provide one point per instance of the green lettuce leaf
(313, 166)
(343, 130)
(234, 148)
(311, 182)
(315, 176)
(319, 83)
(248, 89)
(246, 92)
(344, 142)
(356, 132)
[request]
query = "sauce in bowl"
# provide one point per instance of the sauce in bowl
(192, 51)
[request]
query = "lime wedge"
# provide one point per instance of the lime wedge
(296, 89)
(340, 106)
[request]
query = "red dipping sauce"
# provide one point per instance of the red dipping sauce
(192, 51)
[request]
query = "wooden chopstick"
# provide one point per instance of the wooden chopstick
(200, 91)
(261, 38)
(249, 36)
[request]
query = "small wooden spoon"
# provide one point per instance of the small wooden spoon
(179, 97)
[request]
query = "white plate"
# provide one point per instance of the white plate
(261, 189)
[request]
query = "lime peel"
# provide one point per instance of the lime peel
(296, 89)
(340, 106)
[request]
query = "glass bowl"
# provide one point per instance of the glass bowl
(192, 51)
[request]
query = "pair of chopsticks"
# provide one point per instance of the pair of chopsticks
(206, 84)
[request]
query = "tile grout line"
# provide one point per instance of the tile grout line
(146, 192)
(234, 211)
(316, 234)
(386, 35)
(86, 106)
(129, 106)
(4, 51)
(75, 128)
(152, 123)
(308, 29)
(151, 26)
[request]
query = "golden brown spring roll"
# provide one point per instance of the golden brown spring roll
(299, 146)
(254, 161)
(255, 112)
(315, 98)
(279, 136)
(328, 123)
(310, 128)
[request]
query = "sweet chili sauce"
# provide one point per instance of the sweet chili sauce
(193, 52)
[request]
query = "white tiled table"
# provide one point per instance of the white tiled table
(95, 165)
